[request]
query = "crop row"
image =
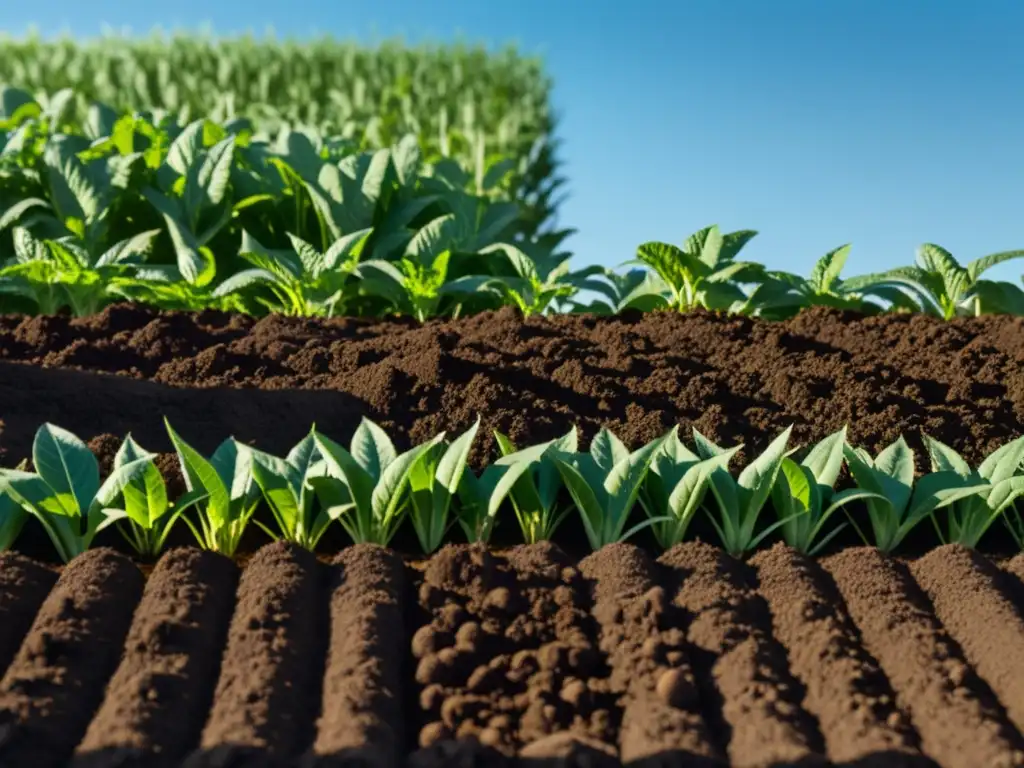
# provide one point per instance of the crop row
(455, 98)
(371, 489)
(207, 214)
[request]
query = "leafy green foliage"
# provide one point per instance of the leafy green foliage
(604, 484)
(902, 503)
(968, 518)
(677, 484)
(704, 272)
(534, 495)
(804, 497)
(64, 493)
(288, 488)
(144, 514)
(229, 494)
(373, 498)
(740, 501)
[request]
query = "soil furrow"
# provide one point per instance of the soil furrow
(966, 593)
(955, 714)
(266, 696)
(644, 638)
(24, 585)
(844, 687)
(361, 718)
(738, 661)
(508, 658)
(737, 379)
(156, 702)
(56, 680)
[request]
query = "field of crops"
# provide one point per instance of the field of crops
(315, 449)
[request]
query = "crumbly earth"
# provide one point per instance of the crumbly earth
(518, 657)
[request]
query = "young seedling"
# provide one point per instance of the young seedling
(605, 483)
(64, 493)
(804, 497)
(433, 482)
(372, 499)
(287, 486)
(677, 482)
(480, 498)
(968, 518)
(904, 504)
(741, 501)
(231, 496)
(12, 518)
(535, 494)
(144, 515)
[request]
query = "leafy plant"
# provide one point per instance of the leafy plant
(480, 498)
(433, 483)
(604, 485)
(704, 272)
(740, 501)
(534, 495)
(781, 294)
(230, 496)
(287, 486)
(805, 499)
(944, 288)
(304, 282)
(64, 493)
(371, 502)
(144, 515)
(677, 483)
(969, 517)
(903, 503)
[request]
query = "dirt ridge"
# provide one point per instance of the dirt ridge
(521, 657)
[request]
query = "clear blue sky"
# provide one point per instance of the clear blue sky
(816, 122)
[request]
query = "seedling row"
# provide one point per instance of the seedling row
(370, 489)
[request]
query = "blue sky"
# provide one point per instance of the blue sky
(816, 122)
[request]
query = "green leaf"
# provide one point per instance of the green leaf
(67, 465)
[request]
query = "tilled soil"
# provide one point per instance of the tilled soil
(524, 657)
(736, 379)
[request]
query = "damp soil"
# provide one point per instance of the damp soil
(523, 657)
(736, 379)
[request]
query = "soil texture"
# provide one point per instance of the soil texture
(519, 657)
(736, 379)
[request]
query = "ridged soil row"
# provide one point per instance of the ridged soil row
(738, 662)
(56, 681)
(956, 715)
(156, 702)
(969, 597)
(24, 585)
(644, 639)
(267, 696)
(507, 660)
(844, 687)
(361, 713)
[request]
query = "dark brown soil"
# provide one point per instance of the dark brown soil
(156, 703)
(508, 656)
(971, 600)
(643, 635)
(958, 718)
(24, 585)
(361, 713)
(734, 378)
(522, 657)
(266, 697)
(845, 689)
(55, 683)
(739, 665)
